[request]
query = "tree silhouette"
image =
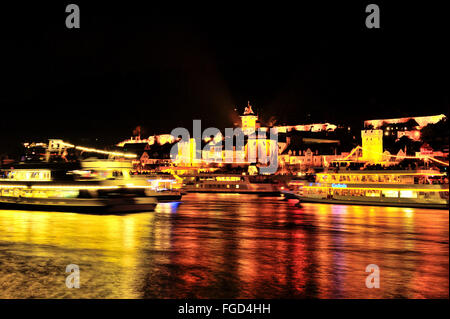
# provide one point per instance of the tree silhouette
(411, 146)
(436, 135)
(411, 124)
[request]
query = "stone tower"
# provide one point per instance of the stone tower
(249, 120)
(372, 145)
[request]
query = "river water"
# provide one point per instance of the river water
(227, 246)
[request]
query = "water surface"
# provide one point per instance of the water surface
(227, 246)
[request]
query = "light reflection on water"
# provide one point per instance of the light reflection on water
(227, 246)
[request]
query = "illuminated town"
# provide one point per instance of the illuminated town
(311, 163)
(390, 164)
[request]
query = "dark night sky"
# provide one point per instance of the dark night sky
(161, 67)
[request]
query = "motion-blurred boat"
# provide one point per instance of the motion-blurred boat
(93, 186)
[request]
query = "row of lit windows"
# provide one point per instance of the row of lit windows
(373, 178)
(34, 193)
(376, 193)
(25, 175)
(225, 186)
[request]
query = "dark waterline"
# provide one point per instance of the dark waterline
(227, 246)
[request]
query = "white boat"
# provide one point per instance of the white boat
(230, 183)
(405, 188)
(162, 187)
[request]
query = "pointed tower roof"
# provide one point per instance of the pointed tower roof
(248, 110)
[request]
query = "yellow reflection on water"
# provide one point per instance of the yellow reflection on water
(98, 244)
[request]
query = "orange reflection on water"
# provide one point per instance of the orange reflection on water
(404, 243)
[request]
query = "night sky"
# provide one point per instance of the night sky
(161, 67)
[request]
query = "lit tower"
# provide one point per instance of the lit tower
(372, 145)
(249, 120)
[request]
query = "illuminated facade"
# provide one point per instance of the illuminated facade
(56, 145)
(255, 150)
(413, 135)
(404, 126)
(421, 121)
(60, 148)
(154, 139)
(186, 153)
(372, 145)
(318, 127)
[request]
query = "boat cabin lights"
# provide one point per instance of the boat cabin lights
(228, 178)
(339, 185)
(27, 175)
(318, 186)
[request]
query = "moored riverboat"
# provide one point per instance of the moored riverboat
(402, 188)
(231, 183)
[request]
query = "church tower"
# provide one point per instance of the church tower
(249, 120)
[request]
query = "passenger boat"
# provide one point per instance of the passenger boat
(230, 183)
(163, 188)
(160, 186)
(89, 186)
(403, 188)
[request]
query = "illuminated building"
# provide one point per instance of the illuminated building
(404, 126)
(186, 153)
(154, 139)
(320, 144)
(372, 145)
(249, 120)
(318, 127)
(59, 150)
(256, 149)
(414, 135)
(56, 145)
(302, 150)
(421, 121)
